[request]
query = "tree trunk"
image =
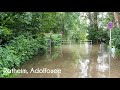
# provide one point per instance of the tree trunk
(95, 21)
(116, 19)
(90, 19)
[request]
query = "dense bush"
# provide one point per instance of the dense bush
(116, 37)
(21, 49)
(99, 35)
(55, 38)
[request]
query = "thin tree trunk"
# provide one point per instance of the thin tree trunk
(90, 18)
(95, 21)
(116, 19)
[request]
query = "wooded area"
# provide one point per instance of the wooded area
(23, 34)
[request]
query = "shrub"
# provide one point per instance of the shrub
(19, 50)
(116, 37)
(56, 38)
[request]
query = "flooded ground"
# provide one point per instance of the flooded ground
(75, 61)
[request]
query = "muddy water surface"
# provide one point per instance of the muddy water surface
(75, 61)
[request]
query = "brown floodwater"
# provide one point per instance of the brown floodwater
(74, 61)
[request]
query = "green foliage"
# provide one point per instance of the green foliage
(3, 73)
(117, 52)
(4, 34)
(93, 35)
(37, 22)
(20, 50)
(83, 30)
(77, 36)
(24, 34)
(99, 35)
(56, 37)
(116, 37)
(4, 31)
(71, 24)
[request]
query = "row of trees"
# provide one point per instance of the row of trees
(74, 25)
(97, 27)
(13, 24)
(24, 34)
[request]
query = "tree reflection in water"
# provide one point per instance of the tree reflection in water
(102, 61)
(84, 68)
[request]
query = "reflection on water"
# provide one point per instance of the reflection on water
(84, 68)
(113, 52)
(102, 60)
(85, 61)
